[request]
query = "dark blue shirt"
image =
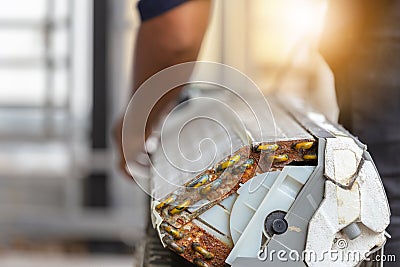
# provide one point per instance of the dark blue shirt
(152, 8)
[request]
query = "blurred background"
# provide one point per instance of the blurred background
(65, 75)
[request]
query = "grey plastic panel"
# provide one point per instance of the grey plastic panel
(298, 216)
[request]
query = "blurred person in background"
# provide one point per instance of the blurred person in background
(361, 44)
(171, 32)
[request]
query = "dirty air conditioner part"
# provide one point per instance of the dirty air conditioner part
(316, 185)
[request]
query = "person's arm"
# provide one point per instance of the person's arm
(171, 38)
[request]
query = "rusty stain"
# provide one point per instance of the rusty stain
(294, 229)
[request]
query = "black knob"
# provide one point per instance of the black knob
(275, 223)
(279, 226)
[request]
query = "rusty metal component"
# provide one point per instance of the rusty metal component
(277, 159)
(266, 147)
(281, 158)
(248, 163)
(222, 184)
(310, 157)
(176, 234)
(181, 207)
(189, 236)
(194, 232)
(211, 191)
(171, 244)
(228, 163)
(211, 186)
(204, 252)
(203, 179)
(199, 234)
(166, 202)
(208, 250)
(304, 145)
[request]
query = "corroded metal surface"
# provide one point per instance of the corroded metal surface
(176, 213)
(298, 153)
(180, 233)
